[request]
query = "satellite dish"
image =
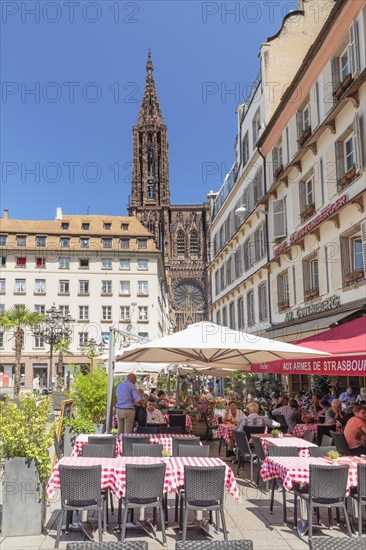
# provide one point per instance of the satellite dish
(129, 328)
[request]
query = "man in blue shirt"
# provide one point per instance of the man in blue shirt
(127, 398)
(347, 397)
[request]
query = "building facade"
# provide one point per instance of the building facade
(180, 231)
(294, 261)
(102, 270)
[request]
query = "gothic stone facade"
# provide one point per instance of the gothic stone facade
(180, 231)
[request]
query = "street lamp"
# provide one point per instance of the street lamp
(55, 328)
(91, 349)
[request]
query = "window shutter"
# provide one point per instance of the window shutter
(358, 143)
(363, 237)
(279, 226)
(299, 124)
(335, 73)
(354, 48)
(274, 159)
(302, 196)
(339, 159)
(317, 102)
(330, 171)
(306, 274)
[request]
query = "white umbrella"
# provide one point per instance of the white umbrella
(209, 345)
(139, 368)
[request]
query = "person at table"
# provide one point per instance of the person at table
(127, 398)
(361, 397)
(154, 416)
(233, 415)
(355, 431)
(255, 419)
(347, 397)
(289, 411)
(325, 405)
(347, 415)
(315, 406)
(334, 414)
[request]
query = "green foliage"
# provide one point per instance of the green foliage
(162, 382)
(242, 384)
(333, 455)
(89, 392)
(321, 384)
(25, 432)
(79, 425)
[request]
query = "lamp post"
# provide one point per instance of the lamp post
(55, 328)
(91, 349)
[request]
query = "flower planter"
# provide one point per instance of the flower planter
(99, 428)
(283, 305)
(347, 81)
(339, 91)
(351, 174)
(278, 171)
(343, 181)
(306, 134)
(23, 510)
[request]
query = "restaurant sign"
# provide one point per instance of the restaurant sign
(311, 225)
(325, 305)
(350, 365)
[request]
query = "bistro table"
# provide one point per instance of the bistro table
(286, 441)
(300, 429)
(226, 431)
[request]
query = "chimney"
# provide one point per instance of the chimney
(58, 213)
(6, 213)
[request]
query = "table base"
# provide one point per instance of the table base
(85, 526)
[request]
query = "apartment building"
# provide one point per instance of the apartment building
(102, 270)
(313, 203)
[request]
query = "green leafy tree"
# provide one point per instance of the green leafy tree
(89, 392)
(321, 384)
(62, 348)
(18, 319)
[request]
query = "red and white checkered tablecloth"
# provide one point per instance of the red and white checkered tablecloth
(188, 420)
(113, 472)
(301, 444)
(83, 439)
(176, 464)
(225, 431)
(300, 429)
(296, 469)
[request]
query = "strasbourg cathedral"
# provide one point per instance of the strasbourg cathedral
(180, 230)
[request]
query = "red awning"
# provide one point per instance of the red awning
(347, 343)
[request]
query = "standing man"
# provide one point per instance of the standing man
(35, 384)
(127, 398)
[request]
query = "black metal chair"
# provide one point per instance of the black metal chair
(175, 411)
(144, 489)
(209, 427)
(273, 450)
(253, 430)
(323, 429)
(259, 452)
(341, 543)
(170, 430)
(147, 449)
(244, 450)
(327, 441)
(204, 490)
(341, 443)
(138, 545)
(80, 489)
(214, 545)
(327, 489)
(129, 440)
(183, 441)
(309, 436)
(193, 450)
(177, 421)
(147, 429)
(321, 451)
(360, 495)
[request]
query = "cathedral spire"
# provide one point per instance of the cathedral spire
(150, 107)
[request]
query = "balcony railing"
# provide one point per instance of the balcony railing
(225, 190)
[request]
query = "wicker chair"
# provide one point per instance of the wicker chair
(138, 545)
(183, 441)
(175, 411)
(341, 443)
(327, 489)
(261, 456)
(99, 451)
(144, 489)
(177, 421)
(214, 545)
(253, 430)
(323, 429)
(341, 543)
(360, 495)
(273, 450)
(244, 450)
(326, 441)
(193, 450)
(147, 430)
(105, 440)
(309, 436)
(80, 489)
(129, 440)
(204, 490)
(321, 451)
(171, 430)
(147, 449)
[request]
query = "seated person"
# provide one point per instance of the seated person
(361, 398)
(232, 414)
(347, 415)
(325, 405)
(154, 416)
(334, 415)
(289, 411)
(315, 406)
(347, 397)
(355, 431)
(255, 419)
(162, 400)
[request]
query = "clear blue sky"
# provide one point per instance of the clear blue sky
(86, 63)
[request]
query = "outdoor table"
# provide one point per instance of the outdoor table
(287, 441)
(225, 431)
(188, 420)
(300, 429)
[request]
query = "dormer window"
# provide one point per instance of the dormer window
(21, 240)
(107, 226)
(124, 226)
(64, 225)
(85, 226)
(41, 241)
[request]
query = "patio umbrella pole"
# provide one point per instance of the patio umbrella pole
(168, 382)
(177, 390)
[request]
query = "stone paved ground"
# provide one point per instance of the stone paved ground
(248, 519)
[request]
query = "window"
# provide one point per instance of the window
(107, 243)
(306, 121)
(125, 265)
(84, 287)
(40, 263)
(124, 243)
(64, 310)
(256, 128)
(64, 263)
(143, 288)
(277, 160)
(142, 265)
(222, 278)
(248, 254)
(142, 244)
(19, 286)
(107, 287)
(222, 236)
(83, 339)
(144, 336)
(85, 226)
(38, 341)
(356, 255)
(349, 154)
(106, 313)
(218, 318)
(347, 63)
(41, 241)
(259, 243)
(307, 198)
(310, 269)
(314, 274)
(143, 313)
(181, 243)
(224, 317)
(84, 242)
(64, 287)
(124, 226)
(40, 286)
(2, 307)
(3, 239)
(1, 339)
(124, 288)
(2, 261)
(217, 281)
(263, 303)
(83, 263)
(83, 313)
(240, 308)
(283, 291)
(65, 242)
(245, 149)
(303, 121)
(2, 286)
(41, 309)
(21, 262)
(106, 263)
(250, 308)
(21, 240)
(125, 313)
(279, 218)
(232, 315)
(229, 271)
(64, 225)
(353, 255)
(193, 243)
(257, 186)
(107, 226)
(344, 65)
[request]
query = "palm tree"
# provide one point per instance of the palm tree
(17, 319)
(63, 348)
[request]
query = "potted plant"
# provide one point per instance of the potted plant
(305, 135)
(166, 454)
(89, 392)
(351, 173)
(283, 305)
(26, 437)
(314, 292)
(359, 274)
(339, 91)
(334, 455)
(307, 294)
(343, 181)
(347, 81)
(276, 433)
